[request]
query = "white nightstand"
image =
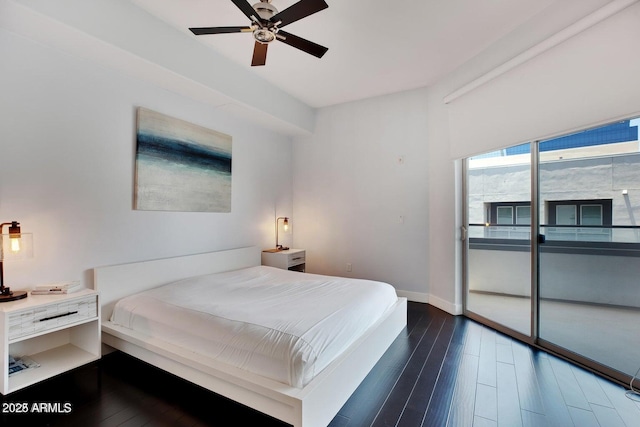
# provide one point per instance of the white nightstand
(291, 259)
(59, 332)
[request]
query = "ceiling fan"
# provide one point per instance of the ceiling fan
(266, 24)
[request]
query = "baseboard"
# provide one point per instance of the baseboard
(444, 305)
(454, 309)
(414, 296)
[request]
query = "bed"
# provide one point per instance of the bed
(302, 377)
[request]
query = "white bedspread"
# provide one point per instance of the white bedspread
(281, 324)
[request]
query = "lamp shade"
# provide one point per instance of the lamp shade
(286, 227)
(16, 246)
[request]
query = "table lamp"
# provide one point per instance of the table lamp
(285, 227)
(15, 245)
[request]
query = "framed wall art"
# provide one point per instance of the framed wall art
(180, 166)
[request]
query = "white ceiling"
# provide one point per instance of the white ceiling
(375, 47)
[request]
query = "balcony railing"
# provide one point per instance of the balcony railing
(622, 240)
(587, 264)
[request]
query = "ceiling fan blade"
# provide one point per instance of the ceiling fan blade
(298, 10)
(247, 9)
(302, 44)
(219, 30)
(259, 54)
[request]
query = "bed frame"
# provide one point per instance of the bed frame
(315, 405)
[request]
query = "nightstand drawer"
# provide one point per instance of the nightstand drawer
(296, 259)
(288, 259)
(46, 317)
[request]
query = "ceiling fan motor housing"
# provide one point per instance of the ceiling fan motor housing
(265, 9)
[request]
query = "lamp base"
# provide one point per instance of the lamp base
(13, 296)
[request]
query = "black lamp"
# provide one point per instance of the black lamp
(285, 226)
(15, 245)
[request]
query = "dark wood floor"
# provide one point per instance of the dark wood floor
(442, 371)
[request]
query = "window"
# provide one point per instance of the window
(579, 212)
(523, 214)
(591, 214)
(509, 213)
(508, 220)
(566, 215)
(504, 215)
(583, 220)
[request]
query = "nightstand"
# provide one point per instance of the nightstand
(291, 259)
(58, 332)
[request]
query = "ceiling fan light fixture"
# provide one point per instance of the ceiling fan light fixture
(264, 35)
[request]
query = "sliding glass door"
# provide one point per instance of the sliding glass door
(499, 239)
(589, 263)
(552, 254)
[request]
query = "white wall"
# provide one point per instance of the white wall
(363, 169)
(67, 138)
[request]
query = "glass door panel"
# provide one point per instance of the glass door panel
(505, 215)
(523, 215)
(566, 214)
(498, 254)
(591, 215)
(589, 263)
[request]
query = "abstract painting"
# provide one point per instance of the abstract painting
(181, 166)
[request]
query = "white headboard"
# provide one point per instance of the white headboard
(117, 281)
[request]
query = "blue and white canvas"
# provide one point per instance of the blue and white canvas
(181, 166)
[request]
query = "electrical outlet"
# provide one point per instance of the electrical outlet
(348, 266)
